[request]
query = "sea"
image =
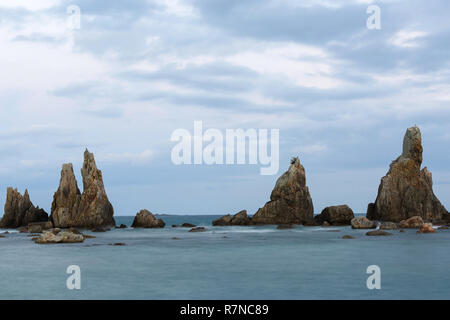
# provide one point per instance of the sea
(256, 262)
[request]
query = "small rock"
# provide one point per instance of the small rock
(198, 229)
(325, 224)
(146, 219)
(443, 228)
(388, 226)
(411, 223)
(88, 236)
(48, 237)
(1, 236)
(122, 226)
(363, 223)
(402, 230)
(175, 238)
(377, 233)
(188, 225)
(100, 229)
(427, 228)
(348, 237)
(117, 244)
(336, 215)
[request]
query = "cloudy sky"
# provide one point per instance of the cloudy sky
(341, 95)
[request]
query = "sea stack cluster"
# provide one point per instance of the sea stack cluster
(70, 208)
(90, 209)
(405, 196)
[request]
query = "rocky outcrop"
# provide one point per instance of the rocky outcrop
(363, 223)
(336, 215)
(90, 209)
(406, 190)
(290, 201)
(239, 219)
(198, 229)
(20, 211)
(58, 236)
(38, 227)
(411, 223)
(146, 219)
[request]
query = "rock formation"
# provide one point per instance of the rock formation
(363, 223)
(20, 211)
(239, 219)
(58, 236)
(336, 215)
(411, 223)
(427, 228)
(290, 201)
(146, 219)
(90, 209)
(406, 190)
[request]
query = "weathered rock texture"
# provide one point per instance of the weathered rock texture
(290, 201)
(336, 215)
(89, 209)
(406, 190)
(239, 219)
(57, 236)
(146, 219)
(411, 223)
(363, 223)
(20, 211)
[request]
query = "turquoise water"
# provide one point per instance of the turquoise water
(228, 263)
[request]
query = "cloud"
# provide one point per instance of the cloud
(407, 39)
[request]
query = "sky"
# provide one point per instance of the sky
(340, 94)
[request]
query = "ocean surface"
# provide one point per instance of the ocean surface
(228, 263)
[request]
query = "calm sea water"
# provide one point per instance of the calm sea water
(228, 263)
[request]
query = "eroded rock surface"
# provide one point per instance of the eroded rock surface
(363, 223)
(20, 211)
(336, 215)
(146, 219)
(406, 190)
(239, 219)
(89, 209)
(290, 201)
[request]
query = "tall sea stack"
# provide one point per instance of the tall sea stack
(290, 201)
(406, 190)
(90, 209)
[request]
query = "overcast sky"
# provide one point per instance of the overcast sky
(341, 95)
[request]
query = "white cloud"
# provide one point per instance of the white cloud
(33, 5)
(133, 158)
(407, 39)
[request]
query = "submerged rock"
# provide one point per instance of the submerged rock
(363, 223)
(198, 229)
(90, 209)
(348, 237)
(286, 226)
(146, 219)
(406, 190)
(290, 201)
(20, 211)
(336, 215)
(411, 223)
(239, 219)
(377, 233)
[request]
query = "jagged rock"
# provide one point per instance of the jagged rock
(290, 201)
(407, 191)
(388, 226)
(363, 223)
(336, 215)
(377, 233)
(146, 219)
(49, 237)
(90, 209)
(427, 228)
(20, 211)
(239, 219)
(411, 223)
